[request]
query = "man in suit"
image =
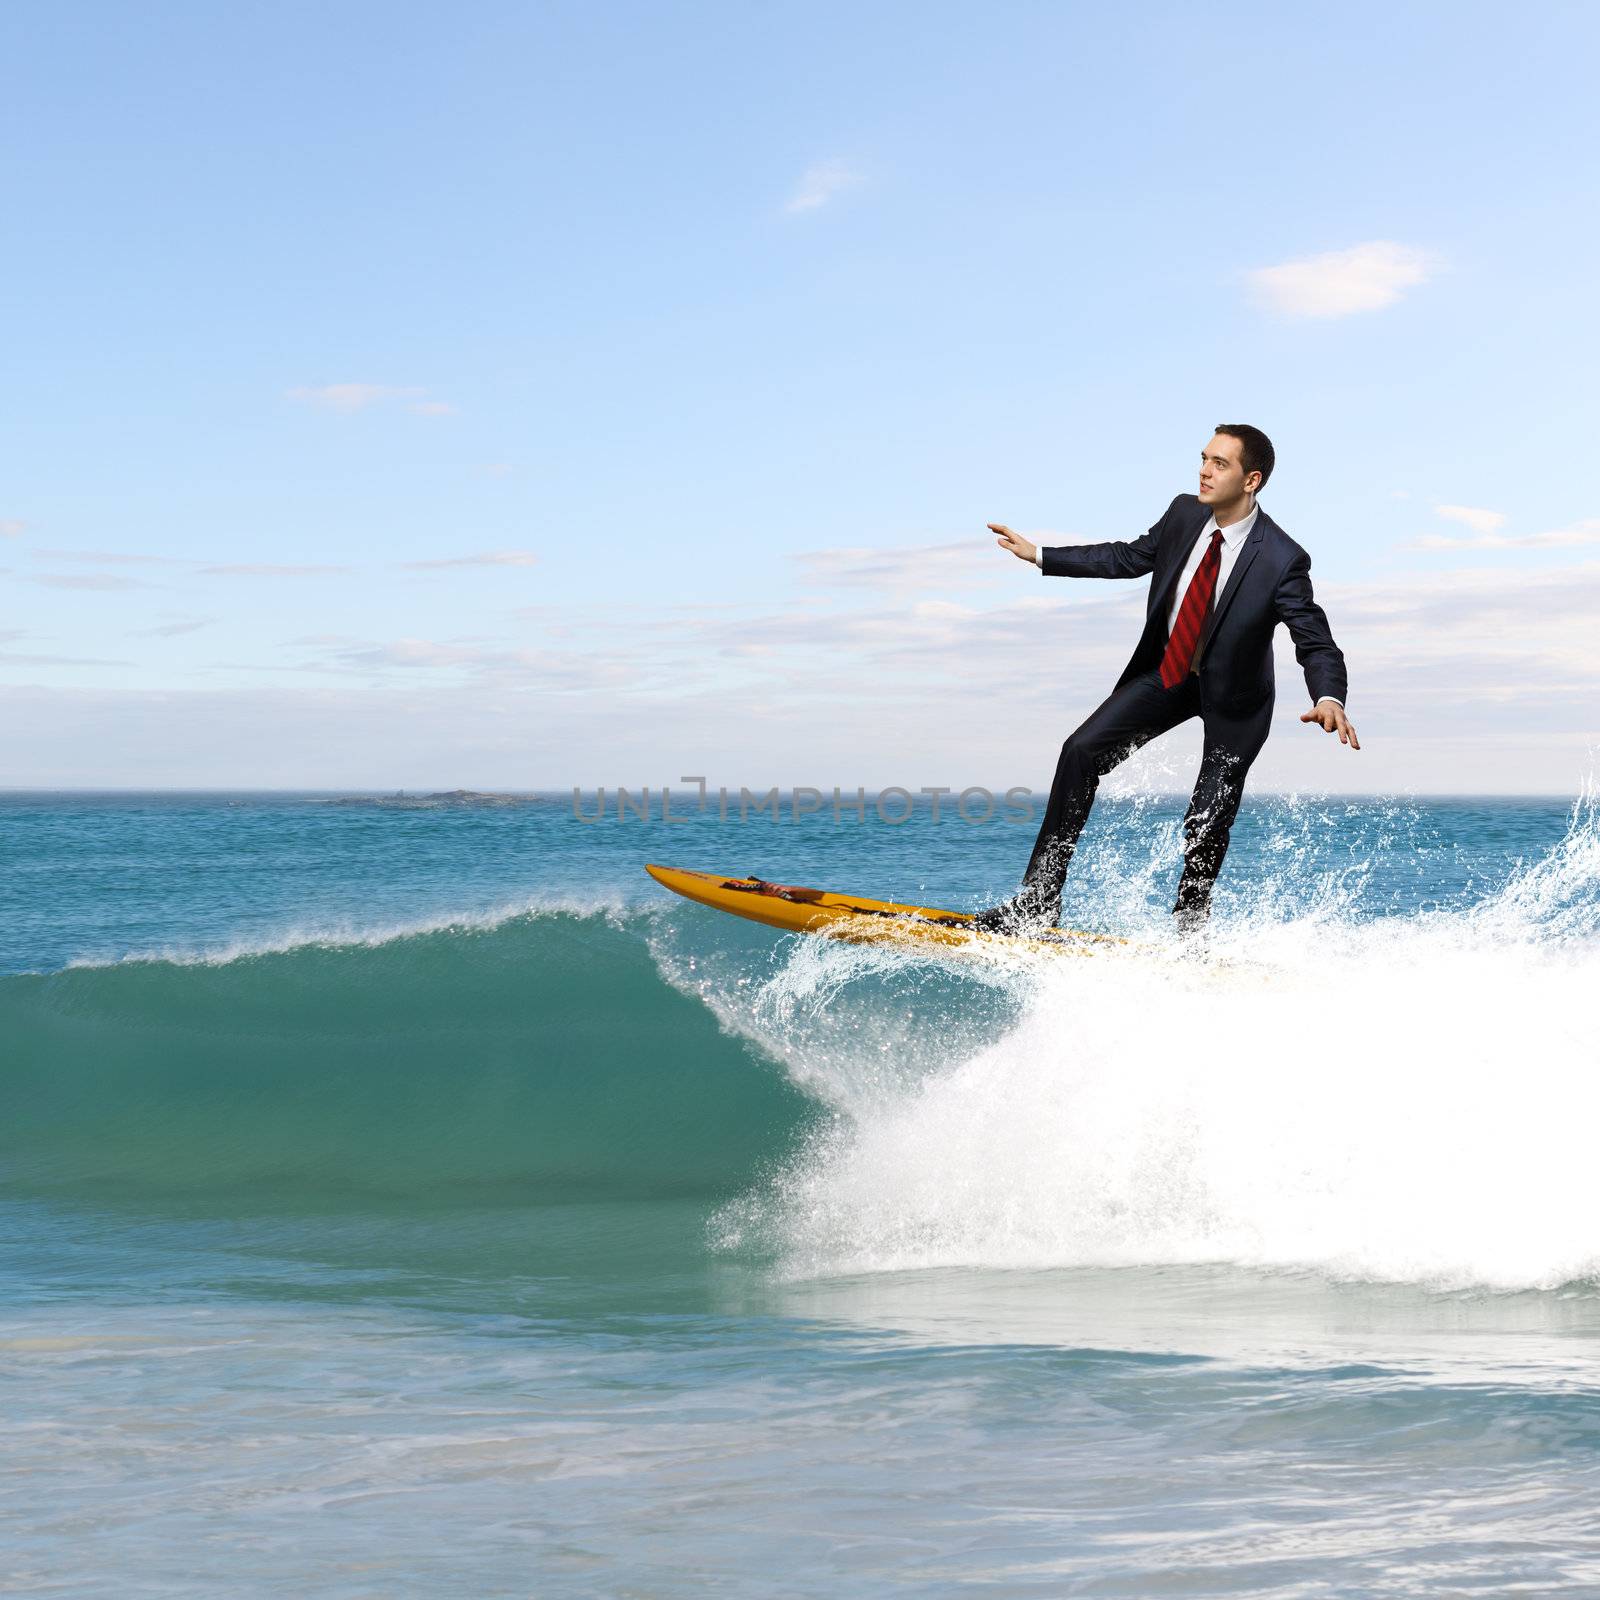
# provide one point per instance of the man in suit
(1223, 576)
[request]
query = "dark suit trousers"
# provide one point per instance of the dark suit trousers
(1132, 716)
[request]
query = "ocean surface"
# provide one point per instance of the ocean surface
(415, 1200)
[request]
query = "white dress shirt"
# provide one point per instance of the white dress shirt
(1233, 538)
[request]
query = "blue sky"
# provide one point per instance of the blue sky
(551, 394)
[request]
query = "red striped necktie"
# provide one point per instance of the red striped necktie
(1191, 621)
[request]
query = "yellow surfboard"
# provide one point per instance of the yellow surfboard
(851, 916)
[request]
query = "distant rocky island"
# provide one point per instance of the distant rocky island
(401, 801)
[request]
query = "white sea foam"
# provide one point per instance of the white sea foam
(1400, 1099)
(358, 933)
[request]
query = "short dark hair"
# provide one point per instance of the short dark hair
(1255, 449)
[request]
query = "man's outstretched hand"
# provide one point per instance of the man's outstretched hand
(1331, 719)
(1014, 542)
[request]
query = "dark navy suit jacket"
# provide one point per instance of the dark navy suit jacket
(1270, 583)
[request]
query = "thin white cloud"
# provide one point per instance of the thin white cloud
(106, 558)
(348, 398)
(1514, 645)
(172, 630)
(12, 528)
(486, 558)
(527, 669)
(964, 561)
(86, 580)
(270, 569)
(18, 659)
(1505, 638)
(819, 183)
(234, 569)
(1474, 517)
(1571, 537)
(1339, 283)
(413, 653)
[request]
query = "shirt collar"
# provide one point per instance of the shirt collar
(1236, 533)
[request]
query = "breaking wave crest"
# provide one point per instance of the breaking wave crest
(1400, 1098)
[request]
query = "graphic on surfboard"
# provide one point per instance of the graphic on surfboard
(847, 916)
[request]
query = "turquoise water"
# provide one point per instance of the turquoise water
(421, 1202)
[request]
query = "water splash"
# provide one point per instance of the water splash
(1399, 1098)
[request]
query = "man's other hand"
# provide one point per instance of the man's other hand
(1014, 542)
(1330, 717)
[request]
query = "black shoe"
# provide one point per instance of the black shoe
(1016, 916)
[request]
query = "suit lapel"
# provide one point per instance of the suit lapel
(1161, 600)
(1252, 548)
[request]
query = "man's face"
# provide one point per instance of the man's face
(1222, 478)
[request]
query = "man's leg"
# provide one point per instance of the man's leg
(1231, 745)
(1129, 717)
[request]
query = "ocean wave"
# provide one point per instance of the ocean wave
(527, 1055)
(1392, 1097)
(352, 932)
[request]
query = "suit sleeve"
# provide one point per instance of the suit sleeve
(1320, 658)
(1116, 559)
